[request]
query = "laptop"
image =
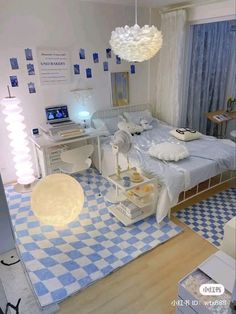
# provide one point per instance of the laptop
(58, 115)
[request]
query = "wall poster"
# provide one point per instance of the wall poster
(54, 66)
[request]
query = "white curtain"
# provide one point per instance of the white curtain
(171, 67)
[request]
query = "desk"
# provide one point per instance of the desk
(227, 117)
(47, 152)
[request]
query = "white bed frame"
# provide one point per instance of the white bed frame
(116, 111)
(187, 194)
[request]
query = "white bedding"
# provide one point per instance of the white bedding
(208, 157)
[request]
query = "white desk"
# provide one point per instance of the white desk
(43, 146)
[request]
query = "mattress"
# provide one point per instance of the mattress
(208, 157)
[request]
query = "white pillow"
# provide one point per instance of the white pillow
(137, 116)
(168, 151)
(109, 125)
(99, 124)
(187, 136)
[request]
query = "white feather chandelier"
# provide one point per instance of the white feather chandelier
(135, 43)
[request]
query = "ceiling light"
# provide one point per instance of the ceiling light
(135, 43)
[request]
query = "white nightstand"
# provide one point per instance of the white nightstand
(143, 195)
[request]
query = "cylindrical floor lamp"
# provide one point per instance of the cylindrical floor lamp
(18, 142)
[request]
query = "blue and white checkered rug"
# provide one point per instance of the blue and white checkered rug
(208, 217)
(61, 262)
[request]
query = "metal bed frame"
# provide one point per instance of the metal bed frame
(187, 194)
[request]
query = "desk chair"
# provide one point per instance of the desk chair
(77, 159)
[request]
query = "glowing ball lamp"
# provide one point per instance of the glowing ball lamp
(57, 200)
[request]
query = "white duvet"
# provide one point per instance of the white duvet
(208, 157)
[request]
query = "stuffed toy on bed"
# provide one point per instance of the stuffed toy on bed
(130, 127)
(145, 124)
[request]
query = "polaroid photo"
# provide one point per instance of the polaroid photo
(88, 73)
(82, 54)
(31, 88)
(14, 64)
(118, 60)
(28, 54)
(132, 69)
(95, 57)
(14, 81)
(105, 66)
(108, 53)
(30, 69)
(76, 69)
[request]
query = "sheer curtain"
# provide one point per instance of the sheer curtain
(212, 72)
(170, 69)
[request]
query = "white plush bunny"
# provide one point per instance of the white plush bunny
(130, 127)
(145, 125)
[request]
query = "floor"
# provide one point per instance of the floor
(148, 285)
(63, 261)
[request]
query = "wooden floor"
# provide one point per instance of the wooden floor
(147, 285)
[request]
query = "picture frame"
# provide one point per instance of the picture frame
(120, 88)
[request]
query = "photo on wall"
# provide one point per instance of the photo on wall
(118, 60)
(105, 66)
(95, 57)
(88, 72)
(14, 81)
(14, 64)
(108, 53)
(82, 54)
(28, 54)
(132, 69)
(31, 88)
(76, 69)
(120, 88)
(30, 69)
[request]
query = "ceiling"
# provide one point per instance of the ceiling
(148, 3)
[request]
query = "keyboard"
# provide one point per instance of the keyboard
(61, 123)
(64, 128)
(71, 133)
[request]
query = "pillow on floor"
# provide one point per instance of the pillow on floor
(168, 151)
(184, 135)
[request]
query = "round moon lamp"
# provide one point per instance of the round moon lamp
(57, 200)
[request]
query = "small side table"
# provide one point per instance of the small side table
(221, 118)
(145, 202)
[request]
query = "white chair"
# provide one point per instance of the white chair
(77, 159)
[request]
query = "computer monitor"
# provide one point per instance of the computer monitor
(57, 114)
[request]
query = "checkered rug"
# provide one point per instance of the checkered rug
(208, 217)
(61, 262)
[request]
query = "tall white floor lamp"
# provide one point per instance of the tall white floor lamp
(18, 142)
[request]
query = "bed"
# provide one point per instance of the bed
(211, 161)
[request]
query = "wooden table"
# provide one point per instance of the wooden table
(227, 116)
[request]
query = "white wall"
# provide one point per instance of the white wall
(213, 11)
(66, 24)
